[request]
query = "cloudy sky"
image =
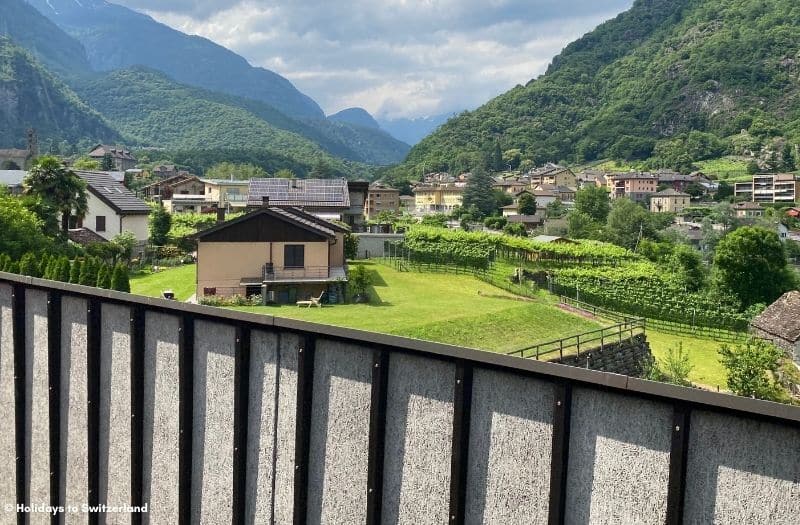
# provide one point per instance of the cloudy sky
(396, 58)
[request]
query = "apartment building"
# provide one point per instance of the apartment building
(438, 198)
(381, 198)
(769, 187)
(636, 186)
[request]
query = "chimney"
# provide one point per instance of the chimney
(265, 201)
(220, 214)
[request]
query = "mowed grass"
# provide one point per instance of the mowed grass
(180, 280)
(707, 371)
(453, 309)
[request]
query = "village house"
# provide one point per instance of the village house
(512, 186)
(438, 198)
(284, 253)
(381, 198)
(407, 203)
(329, 199)
(554, 175)
(225, 193)
(529, 221)
(748, 210)
(636, 186)
(780, 323)
(562, 193)
(672, 179)
(669, 201)
(112, 208)
(183, 184)
(769, 187)
(164, 171)
(591, 178)
(122, 158)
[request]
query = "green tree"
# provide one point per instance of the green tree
(581, 226)
(86, 163)
(89, 268)
(526, 204)
(104, 277)
(75, 271)
(125, 242)
(724, 191)
(627, 223)
(593, 201)
(120, 280)
(53, 183)
(478, 193)
(159, 224)
(29, 265)
(285, 174)
(63, 270)
(787, 158)
(674, 368)
(350, 246)
(751, 264)
(555, 209)
(107, 164)
(751, 369)
(496, 158)
(230, 170)
(321, 170)
(687, 264)
(516, 229)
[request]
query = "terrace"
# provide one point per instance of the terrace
(225, 417)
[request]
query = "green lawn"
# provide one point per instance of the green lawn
(180, 280)
(707, 369)
(455, 309)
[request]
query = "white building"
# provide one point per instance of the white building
(113, 208)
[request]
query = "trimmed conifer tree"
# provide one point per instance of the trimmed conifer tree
(13, 267)
(29, 265)
(104, 277)
(75, 271)
(119, 279)
(64, 269)
(88, 276)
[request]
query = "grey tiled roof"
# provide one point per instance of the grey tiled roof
(121, 199)
(311, 193)
(780, 318)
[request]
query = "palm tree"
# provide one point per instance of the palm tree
(62, 188)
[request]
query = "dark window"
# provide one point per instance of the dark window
(101, 224)
(294, 256)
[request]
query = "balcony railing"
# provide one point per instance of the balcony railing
(209, 415)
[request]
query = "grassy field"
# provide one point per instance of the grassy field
(729, 167)
(703, 355)
(455, 309)
(180, 280)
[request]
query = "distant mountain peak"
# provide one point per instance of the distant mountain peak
(357, 117)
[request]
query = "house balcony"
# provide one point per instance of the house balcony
(271, 274)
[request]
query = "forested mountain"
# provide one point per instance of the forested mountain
(355, 116)
(27, 28)
(116, 37)
(31, 96)
(667, 80)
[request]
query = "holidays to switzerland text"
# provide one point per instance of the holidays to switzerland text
(75, 509)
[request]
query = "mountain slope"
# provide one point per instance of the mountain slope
(31, 97)
(355, 116)
(638, 84)
(27, 28)
(116, 37)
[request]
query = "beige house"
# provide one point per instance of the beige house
(123, 159)
(438, 198)
(227, 193)
(669, 201)
(748, 210)
(554, 175)
(281, 252)
(381, 198)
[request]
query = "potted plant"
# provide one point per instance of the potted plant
(359, 282)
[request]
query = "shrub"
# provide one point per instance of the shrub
(752, 367)
(359, 280)
(75, 271)
(29, 265)
(120, 280)
(675, 368)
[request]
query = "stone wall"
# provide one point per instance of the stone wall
(624, 357)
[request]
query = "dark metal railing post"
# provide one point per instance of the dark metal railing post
(459, 460)
(679, 452)
(137, 332)
(185, 417)
(20, 401)
(302, 443)
(93, 331)
(562, 409)
(377, 435)
(241, 396)
(54, 399)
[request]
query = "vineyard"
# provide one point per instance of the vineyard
(598, 273)
(641, 290)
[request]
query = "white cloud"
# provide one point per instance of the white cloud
(396, 58)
